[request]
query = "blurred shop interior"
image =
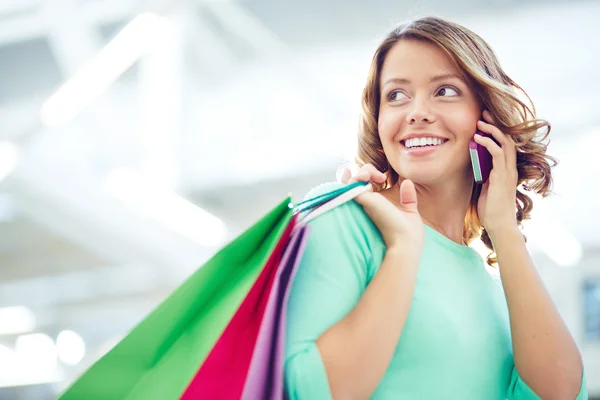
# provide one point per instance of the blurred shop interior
(138, 137)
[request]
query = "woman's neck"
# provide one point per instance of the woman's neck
(442, 207)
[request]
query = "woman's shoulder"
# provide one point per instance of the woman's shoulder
(347, 213)
(322, 188)
(345, 233)
(348, 218)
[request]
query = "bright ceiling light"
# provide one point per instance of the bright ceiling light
(16, 320)
(137, 38)
(37, 353)
(70, 347)
(167, 207)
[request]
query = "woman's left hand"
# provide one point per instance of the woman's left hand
(497, 202)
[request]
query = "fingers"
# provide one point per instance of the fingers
(507, 144)
(346, 175)
(369, 199)
(367, 173)
(498, 161)
(408, 196)
(488, 127)
(488, 117)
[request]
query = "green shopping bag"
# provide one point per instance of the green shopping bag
(159, 357)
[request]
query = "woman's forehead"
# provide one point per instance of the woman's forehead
(412, 59)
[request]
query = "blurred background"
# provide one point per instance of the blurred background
(138, 137)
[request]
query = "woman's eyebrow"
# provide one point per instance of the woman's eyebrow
(434, 79)
(444, 77)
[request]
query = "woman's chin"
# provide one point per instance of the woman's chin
(434, 175)
(425, 178)
(421, 176)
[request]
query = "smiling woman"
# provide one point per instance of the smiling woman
(389, 301)
(455, 76)
(435, 93)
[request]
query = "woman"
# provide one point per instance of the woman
(389, 301)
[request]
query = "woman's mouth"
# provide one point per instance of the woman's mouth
(422, 142)
(422, 146)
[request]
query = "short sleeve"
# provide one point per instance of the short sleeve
(331, 278)
(518, 389)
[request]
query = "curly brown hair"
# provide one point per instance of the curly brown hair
(495, 91)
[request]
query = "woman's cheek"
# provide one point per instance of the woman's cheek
(467, 118)
(387, 127)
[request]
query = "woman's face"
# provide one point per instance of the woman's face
(427, 114)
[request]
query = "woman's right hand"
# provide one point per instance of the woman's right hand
(400, 225)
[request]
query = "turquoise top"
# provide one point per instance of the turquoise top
(456, 341)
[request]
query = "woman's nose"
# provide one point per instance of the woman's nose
(420, 112)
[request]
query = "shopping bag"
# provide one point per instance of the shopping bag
(223, 373)
(265, 378)
(265, 375)
(159, 357)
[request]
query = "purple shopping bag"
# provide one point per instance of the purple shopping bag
(265, 375)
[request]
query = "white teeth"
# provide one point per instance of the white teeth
(424, 141)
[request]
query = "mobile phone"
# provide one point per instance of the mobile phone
(481, 159)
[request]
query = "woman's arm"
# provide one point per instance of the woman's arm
(357, 350)
(344, 328)
(546, 356)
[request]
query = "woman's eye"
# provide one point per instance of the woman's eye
(448, 91)
(396, 95)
